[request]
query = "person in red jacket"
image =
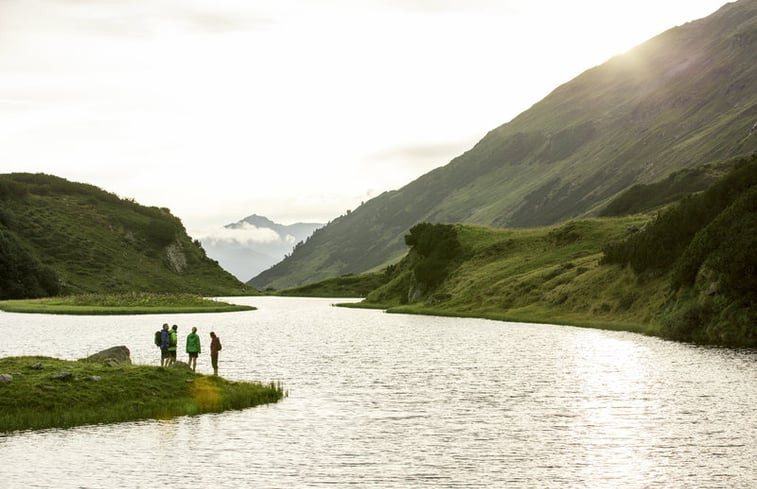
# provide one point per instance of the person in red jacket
(215, 347)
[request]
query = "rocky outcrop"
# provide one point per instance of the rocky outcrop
(111, 357)
(176, 257)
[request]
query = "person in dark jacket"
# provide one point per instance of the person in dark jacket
(165, 342)
(215, 347)
(193, 348)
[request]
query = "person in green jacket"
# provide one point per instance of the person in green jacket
(193, 348)
(173, 340)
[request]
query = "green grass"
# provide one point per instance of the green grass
(557, 275)
(127, 303)
(35, 400)
(546, 275)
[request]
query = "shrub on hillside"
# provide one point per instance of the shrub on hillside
(21, 275)
(160, 232)
(664, 241)
(726, 246)
(437, 248)
(10, 189)
(687, 323)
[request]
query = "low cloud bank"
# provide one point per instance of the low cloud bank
(245, 234)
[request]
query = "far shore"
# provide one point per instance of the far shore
(520, 316)
(121, 304)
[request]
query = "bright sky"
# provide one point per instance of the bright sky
(293, 109)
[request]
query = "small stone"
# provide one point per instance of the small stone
(37, 366)
(94, 378)
(62, 375)
(6, 378)
(180, 364)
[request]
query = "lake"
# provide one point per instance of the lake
(399, 401)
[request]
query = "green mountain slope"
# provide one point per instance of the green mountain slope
(687, 273)
(61, 237)
(684, 98)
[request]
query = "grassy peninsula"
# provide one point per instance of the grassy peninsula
(126, 303)
(63, 394)
(550, 274)
(685, 272)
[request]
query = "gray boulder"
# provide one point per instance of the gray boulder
(62, 375)
(112, 357)
(6, 378)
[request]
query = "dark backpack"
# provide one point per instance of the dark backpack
(158, 338)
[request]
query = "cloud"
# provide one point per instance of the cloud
(116, 18)
(446, 6)
(246, 234)
(424, 156)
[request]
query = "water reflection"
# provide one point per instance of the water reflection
(381, 400)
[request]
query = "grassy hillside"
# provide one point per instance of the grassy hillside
(682, 99)
(686, 273)
(61, 237)
(549, 274)
(646, 197)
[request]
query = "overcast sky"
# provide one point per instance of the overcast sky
(293, 109)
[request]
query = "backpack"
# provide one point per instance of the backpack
(158, 338)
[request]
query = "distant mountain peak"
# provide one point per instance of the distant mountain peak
(255, 243)
(255, 220)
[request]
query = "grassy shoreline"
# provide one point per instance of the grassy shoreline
(121, 304)
(558, 319)
(95, 394)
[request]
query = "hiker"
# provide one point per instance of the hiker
(215, 347)
(174, 335)
(165, 342)
(193, 348)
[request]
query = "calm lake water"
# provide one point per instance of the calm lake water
(393, 401)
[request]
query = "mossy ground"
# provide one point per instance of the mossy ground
(34, 399)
